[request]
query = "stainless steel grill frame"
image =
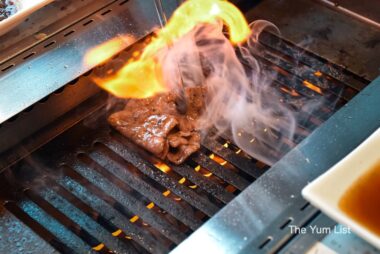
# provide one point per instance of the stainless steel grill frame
(81, 185)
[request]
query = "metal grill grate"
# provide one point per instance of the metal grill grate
(111, 192)
(91, 189)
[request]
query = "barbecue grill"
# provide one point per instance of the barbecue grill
(71, 184)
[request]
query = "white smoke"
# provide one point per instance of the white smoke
(240, 98)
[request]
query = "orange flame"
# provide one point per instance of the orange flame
(105, 51)
(142, 77)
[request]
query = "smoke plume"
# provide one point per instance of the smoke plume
(240, 96)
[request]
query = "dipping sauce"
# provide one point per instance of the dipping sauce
(361, 201)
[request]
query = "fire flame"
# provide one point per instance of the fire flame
(105, 51)
(142, 77)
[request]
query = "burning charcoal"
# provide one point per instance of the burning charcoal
(156, 125)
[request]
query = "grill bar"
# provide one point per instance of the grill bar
(61, 232)
(313, 61)
(305, 78)
(43, 232)
(108, 218)
(107, 240)
(98, 188)
(294, 82)
(60, 216)
(225, 174)
(214, 189)
(111, 208)
(185, 173)
(244, 164)
(305, 72)
(181, 191)
(148, 191)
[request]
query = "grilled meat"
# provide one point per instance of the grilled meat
(156, 125)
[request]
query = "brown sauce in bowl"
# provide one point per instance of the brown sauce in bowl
(361, 201)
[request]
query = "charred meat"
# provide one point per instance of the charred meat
(156, 125)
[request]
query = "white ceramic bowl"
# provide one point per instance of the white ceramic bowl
(24, 9)
(326, 191)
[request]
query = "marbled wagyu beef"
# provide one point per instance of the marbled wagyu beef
(156, 125)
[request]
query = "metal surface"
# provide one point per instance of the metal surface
(86, 186)
(235, 227)
(15, 233)
(58, 111)
(90, 183)
(367, 9)
(33, 80)
(338, 241)
(165, 9)
(354, 14)
(327, 32)
(44, 23)
(302, 243)
(43, 113)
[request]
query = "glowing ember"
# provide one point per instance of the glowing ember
(312, 87)
(230, 188)
(142, 77)
(207, 174)
(134, 219)
(218, 159)
(98, 247)
(117, 232)
(166, 193)
(163, 167)
(292, 92)
(150, 205)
